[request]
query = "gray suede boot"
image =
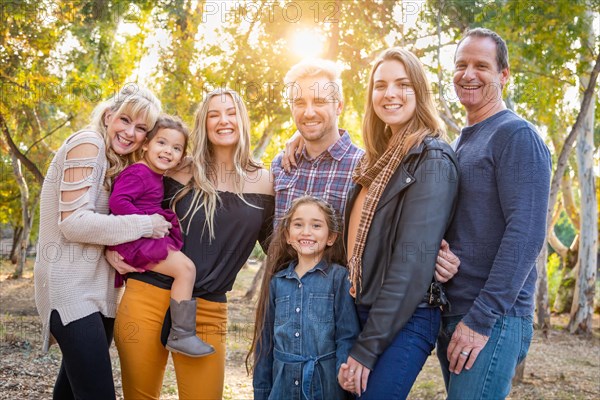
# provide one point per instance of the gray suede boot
(182, 338)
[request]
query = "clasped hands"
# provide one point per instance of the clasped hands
(353, 376)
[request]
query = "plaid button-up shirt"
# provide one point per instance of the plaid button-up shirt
(328, 176)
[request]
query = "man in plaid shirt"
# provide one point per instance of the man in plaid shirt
(325, 164)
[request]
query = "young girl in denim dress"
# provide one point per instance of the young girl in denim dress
(306, 321)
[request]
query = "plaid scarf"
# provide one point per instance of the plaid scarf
(375, 179)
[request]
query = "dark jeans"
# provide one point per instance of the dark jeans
(397, 368)
(85, 372)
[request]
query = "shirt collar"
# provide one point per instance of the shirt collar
(289, 272)
(336, 150)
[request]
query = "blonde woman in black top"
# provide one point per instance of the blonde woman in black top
(224, 200)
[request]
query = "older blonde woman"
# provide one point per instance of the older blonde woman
(74, 285)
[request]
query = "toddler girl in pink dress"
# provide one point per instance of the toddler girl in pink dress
(139, 190)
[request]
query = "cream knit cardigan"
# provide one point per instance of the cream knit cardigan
(71, 273)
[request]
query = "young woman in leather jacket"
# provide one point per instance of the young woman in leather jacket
(396, 215)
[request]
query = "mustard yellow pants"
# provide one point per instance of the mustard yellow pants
(143, 358)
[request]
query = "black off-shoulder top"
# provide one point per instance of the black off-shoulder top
(238, 225)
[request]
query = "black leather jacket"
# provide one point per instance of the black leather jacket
(403, 242)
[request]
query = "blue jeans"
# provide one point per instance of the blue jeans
(491, 375)
(397, 368)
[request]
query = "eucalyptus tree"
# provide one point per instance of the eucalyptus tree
(553, 49)
(58, 60)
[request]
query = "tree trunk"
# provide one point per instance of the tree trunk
(555, 183)
(583, 300)
(333, 48)
(264, 141)
(256, 281)
(17, 232)
(564, 295)
(563, 157)
(570, 207)
(542, 314)
(27, 218)
(16, 153)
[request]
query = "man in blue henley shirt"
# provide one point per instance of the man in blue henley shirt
(498, 228)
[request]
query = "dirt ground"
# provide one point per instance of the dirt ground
(560, 367)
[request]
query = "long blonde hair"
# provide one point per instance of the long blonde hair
(426, 122)
(204, 179)
(134, 101)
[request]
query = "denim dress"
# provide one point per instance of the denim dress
(310, 326)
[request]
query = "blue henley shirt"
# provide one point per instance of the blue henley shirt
(499, 225)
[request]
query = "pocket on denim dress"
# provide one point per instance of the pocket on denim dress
(320, 307)
(282, 310)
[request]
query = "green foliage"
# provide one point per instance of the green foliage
(258, 253)
(252, 53)
(10, 205)
(551, 45)
(554, 276)
(548, 45)
(60, 58)
(564, 229)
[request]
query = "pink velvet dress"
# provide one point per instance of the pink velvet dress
(139, 190)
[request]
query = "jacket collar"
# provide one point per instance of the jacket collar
(290, 273)
(399, 180)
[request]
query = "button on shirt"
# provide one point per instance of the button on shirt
(311, 327)
(328, 176)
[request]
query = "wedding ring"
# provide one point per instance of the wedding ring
(464, 353)
(351, 371)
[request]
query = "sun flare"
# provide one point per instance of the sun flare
(307, 43)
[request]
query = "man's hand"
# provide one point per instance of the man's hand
(447, 263)
(465, 345)
(292, 147)
(116, 261)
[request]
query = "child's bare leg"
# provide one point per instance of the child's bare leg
(182, 270)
